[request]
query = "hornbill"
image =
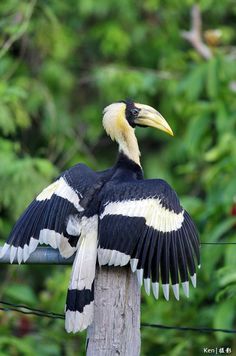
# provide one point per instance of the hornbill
(115, 215)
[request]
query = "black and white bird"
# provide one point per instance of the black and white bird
(115, 216)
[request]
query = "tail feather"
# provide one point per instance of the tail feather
(79, 315)
(80, 295)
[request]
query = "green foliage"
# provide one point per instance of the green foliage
(60, 64)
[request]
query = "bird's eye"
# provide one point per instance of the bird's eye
(135, 111)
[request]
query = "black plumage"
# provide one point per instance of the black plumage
(77, 299)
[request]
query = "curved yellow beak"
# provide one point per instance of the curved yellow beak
(148, 116)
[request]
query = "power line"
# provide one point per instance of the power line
(186, 328)
(30, 313)
(28, 310)
(218, 243)
(42, 313)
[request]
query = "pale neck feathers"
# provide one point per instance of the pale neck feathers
(118, 128)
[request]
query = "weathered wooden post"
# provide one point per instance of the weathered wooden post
(116, 326)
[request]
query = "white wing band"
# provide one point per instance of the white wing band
(63, 190)
(156, 216)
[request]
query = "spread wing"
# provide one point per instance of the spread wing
(142, 222)
(52, 217)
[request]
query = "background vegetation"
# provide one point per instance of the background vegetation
(61, 62)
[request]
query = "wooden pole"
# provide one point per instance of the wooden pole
(116, 326)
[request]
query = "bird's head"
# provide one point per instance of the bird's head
(123, 116)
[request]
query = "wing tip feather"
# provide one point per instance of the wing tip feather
(185, 286)
(4, 249)
(194, 280)
(175, 288)
(139, 273)
(166, 289)
(155, 289)
(147, 285)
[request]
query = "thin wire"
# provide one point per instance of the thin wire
(31, 309)
(218, 243)
(32, 313)
(42, 313)
(185, 328)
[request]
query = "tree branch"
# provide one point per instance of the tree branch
(194, 36)
(22, 29)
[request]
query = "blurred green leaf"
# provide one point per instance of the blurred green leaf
(224, 318)
(227, 275)
(221, 228)
(212, 77)
(21, 294)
